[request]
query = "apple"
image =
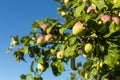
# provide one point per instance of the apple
(105, 18)
(44, 27)
(78, 28)
(40, 39)
(48, 37)
(88, 48)
(116, 20)
(40, 67)
(63, 13)
(66, 1)
(60, 54)
(91, 8)
(31, 78)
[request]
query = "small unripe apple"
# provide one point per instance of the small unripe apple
(88, 48)
(60, 54)
(91, 8)
(40, 39)
(44, 27)
(31, 78)
(105, 18)
(78, 28)
(66, 1)
(63, 13)
(116, 20)
(48, 37)
(40, 67)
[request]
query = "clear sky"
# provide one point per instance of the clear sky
(16, 17)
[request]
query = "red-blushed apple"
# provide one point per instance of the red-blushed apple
(60, 54)
(40, 67)
(66, 1)
(116, 20)
(105, 18)
(88, 48)
(91, 8)
(44, 27)
(40, 39)
(48, 37)
(78, 28)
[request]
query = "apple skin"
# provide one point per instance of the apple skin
(78, 28)
(88, 48)
(31, 78)
(48, 37)
(105, 18)
(91, 8)
(40, 67)
(63, 13)
(66, 1)
(40, 39)
(44, 27)
(116, 20)
(60, 54)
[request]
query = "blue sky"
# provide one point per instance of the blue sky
(16, 17)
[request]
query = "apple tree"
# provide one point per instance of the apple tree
(91, 30)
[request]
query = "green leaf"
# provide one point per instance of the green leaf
(36, 24)
(112, 57)
(79, 9)
(23, 77)
(14, 41)
(31, 66)
(69, 52)
(25, 49)
(99, 3)
(116, 4)
(62, 30)
(72, 41)
(50, 28)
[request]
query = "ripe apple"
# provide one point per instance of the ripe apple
(40, 67)
(116, 20)
(60, 54)
(105, 18)
(88, 48)
(48, 37)
(91, 8)
(44, 27)
(78, 28)
(40, 39)
(66, 1)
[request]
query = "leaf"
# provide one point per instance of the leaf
(112, 57)
(31, 67)
(25, 49)
(14, 40)
(79, 9)
(50, 28)
(36, 24)
(99, 3)
(57, 67)
(69, 52)
(116, 4)
(72, 41)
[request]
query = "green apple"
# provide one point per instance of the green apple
(63, 13)
(88, 48)
(66, 1)
(31, 78)
(40, 67)
(60, 54)
(78, 29)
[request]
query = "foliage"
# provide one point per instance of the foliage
(103, 33)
